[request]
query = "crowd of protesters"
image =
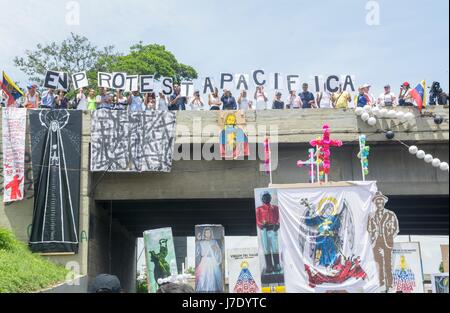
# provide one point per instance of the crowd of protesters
(259, 100)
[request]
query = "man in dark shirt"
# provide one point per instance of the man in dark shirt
(229, 103)
(177, 102)
(307, 98)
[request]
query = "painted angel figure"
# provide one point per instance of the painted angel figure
(209, 259)
(329, 232)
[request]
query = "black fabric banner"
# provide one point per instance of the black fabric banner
(56, 158)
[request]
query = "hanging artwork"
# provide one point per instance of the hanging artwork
(124, 141)
(324, 239)
(209, 259)
(233, 139)
(14, 122)
(407, 268)
(243, 271)
(56, 159)
(268, 226)
(160, 256)
(439, 283)
(383, 227)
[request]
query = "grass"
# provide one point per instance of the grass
(22, 271)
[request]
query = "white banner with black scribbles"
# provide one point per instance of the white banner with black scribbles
(13, 135)
(132, 141)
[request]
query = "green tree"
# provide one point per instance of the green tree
(152, 59)
(74, 54)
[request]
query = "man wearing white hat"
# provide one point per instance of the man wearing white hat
(369, 96)
(383, 228)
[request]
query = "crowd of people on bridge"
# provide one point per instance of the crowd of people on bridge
(259, 100)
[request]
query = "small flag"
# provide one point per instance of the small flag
(419, 95)
(267, 155)
(11, 90)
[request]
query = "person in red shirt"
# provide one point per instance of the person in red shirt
(268, 221)
(14, 185)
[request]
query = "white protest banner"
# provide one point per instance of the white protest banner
(80, 80)
(104, 80)
(244, 274)
(187, 89)
(259, 77)
(208, 85)
(146, 83)
(324, 239)
(407, 268)
(118, 80)
(132, 83)
(226, 81)
(14, 126)
(242, 81)
(56, 80)
(167, 85)
(276, 81)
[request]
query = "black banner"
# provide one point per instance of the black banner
(56, 159)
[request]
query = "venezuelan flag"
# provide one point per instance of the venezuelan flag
(10, 89)
(419, 95)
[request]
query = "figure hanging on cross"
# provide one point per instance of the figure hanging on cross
(323, 150)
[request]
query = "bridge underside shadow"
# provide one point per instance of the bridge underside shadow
(418, 215)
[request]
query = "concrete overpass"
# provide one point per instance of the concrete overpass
(117, 208)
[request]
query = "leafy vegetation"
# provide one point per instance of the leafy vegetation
(21, 271)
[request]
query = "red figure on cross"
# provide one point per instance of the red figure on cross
(15, 187)
(323, 145)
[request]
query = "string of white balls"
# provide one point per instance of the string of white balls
(364, 113)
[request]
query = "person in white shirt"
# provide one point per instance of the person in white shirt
(81, 100)
(163, 104)
(293, 101)
(370, 98)
(260, 98)
(214, 100)
(244, 103)
(387, 98)
(324, 99)
(197, 102)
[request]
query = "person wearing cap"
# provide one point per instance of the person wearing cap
(405, 98)
(48, 99)
(369, 96)
(307, 98)
(278, 104)
(105, 283)
(387, 98)
(229, 102)
(197, 102)
(361, 99)
(383, 227)
(31, 98)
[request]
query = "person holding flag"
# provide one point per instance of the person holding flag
(11, 91)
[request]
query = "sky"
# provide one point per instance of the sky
(409, 42)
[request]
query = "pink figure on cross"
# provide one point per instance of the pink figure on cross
(323, 146)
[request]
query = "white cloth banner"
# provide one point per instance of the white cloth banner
(324, 240)
(14, 127)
